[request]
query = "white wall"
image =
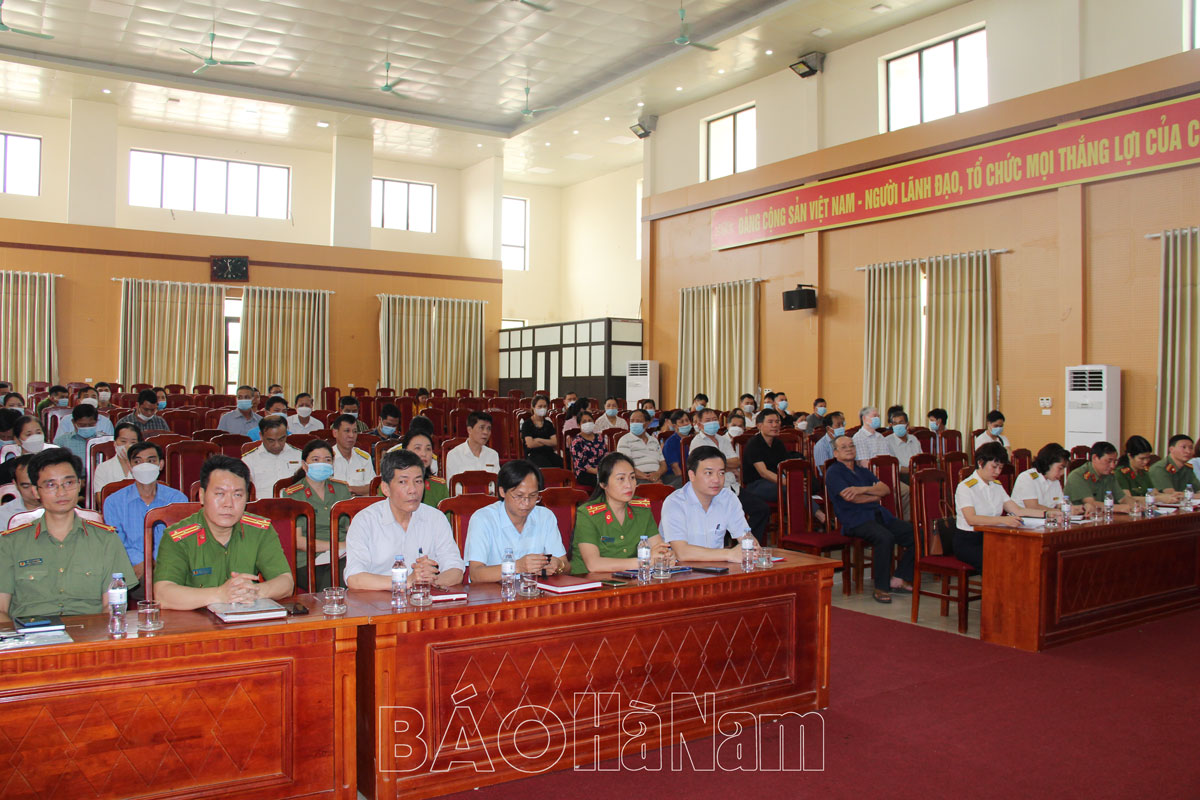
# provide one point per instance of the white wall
(601, 273)
(51, 204)
(535, 295)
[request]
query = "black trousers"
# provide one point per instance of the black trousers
(754, 503)
(884, 533)
(968, 547)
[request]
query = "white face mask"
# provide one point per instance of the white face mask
(122, 450)
(433, 467)
(587, 427)
(734, 431)
(304, 412)
(91, 401)
(34, 443)
(541, 411)
(144, 418)
(145, 473)
(105, 396)
(748, 408)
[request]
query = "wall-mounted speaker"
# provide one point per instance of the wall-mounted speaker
(799, 298)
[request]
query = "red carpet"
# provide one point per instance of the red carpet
(916, 711)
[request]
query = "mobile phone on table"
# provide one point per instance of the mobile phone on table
(609, 582)
(711, 570)
(296, 609)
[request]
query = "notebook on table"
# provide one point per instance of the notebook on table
(260, 609)
(565, 584)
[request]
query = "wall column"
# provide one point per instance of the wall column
(350, 209)
(92, 164)
(1072, 288)
(483, 193)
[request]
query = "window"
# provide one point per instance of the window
(505, 324)
(401, 205)
(514, 233)
(938, 81)
(233, 341)
(732, 143)
(215, 186)
(20, 164)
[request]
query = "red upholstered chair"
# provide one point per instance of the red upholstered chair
(298, 440)
(385, 391)
(285, 515)
(926, 437)
(247, 446)
(564, 503)
(951, 440)
(739, 446)
(343, 508)
(952, 464)
(1022, 460)
(516, 394)
(212, 418)
(964, 472)
(33, 387)
(231, 444)
(460, 509)
(329, 397)
(474, 481)
(922, 461)
(164, 439)
(458, 421)
(181, 422)
(381, 447)
(359, 392)
(184, 460)
(970, 449)
(366, 441)
(502, 435)
(556, 477)
(795, 522)
(446, 446)
(164, 517)
(202, 388)
(112, 489)
(175, 388)
(1081, 452)
(489, 393)
(931, 501)
(611, 435)
(411, 392)
(1008, 476)
(887, 469)
(656, 493)
(140, 387)
(438, 417)
(1075, 463)
(463, 393)
(280, 485)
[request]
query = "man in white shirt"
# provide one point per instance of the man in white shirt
(303, 421)
(26, 499)
(351, 464)
(273, 460)
(706, 436)
(401, 525)
(903, 447)
(994, 432)
(474, 454)
(869, 442)
(696, 517)
(643, 449)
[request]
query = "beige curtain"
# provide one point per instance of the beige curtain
(29, 348)
(1178, 346)
(431, 342)
(892, 347)
(172, 333)
(718, 354)
(285, 339)
(960, 338)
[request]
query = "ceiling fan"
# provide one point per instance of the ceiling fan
(684, 39)
(529, 112)
(213, 62)
(389, 85)
(9, 29)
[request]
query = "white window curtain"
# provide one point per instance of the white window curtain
(436, 342)
(1178, 406)
(29, 348)
(718, 352)
(892, 346)
(285, 339)
(172, 333)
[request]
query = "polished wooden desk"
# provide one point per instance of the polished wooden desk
(196, 710)
(463, 695)
(1043, 588)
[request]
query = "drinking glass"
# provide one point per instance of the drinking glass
(335, 601)
(149, 615)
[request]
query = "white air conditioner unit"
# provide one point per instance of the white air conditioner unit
(641, 382)
(1093, 405)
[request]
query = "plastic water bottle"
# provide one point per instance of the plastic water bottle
(421, 591)
(1187, 497)
(1065, 508)
(399, 583)
(508, 576)
(747, 553)
(118, 600)
(643, 557)
(1108, 506)
(1150, 504)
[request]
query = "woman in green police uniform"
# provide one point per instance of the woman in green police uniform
(609, 526)
(1133, 470)
(315, 485)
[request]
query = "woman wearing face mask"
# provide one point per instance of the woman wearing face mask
(316, 486)
(420, 441)
(538, 436)
(573, 412)
(610, 419)
(28, 433)
(587, 449)
(14, 400)
(118, 467)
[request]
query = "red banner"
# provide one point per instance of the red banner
(1139, 140)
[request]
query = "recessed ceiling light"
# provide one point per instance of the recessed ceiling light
(606, 119)
(479, 145)
(770, 52)
(322, 123)
(679, 88)
(720, 72)
(106, 91)
(575, 132)
(641, 104)
(547, 144)
(881, 8)
(821, 32)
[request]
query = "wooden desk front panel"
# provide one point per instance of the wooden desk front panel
(259, 711)
(756, 643)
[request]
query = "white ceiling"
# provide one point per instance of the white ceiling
(462, 67)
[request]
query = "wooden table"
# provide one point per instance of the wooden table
(533, 685)
(198, 709)
(1046, 587)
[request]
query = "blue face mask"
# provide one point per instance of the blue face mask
(387, 430)
(637, 428)
(162, 404)
(820, 411)
(684, 430)
(933, 425)
(997, 430)
(62, 402)
(711, 427)
(320, 472)
(900, 429)
(612, 412)
(876, 422)
(86, 433)
(782, 405)
(351, 414)
(244, 405)
(700, 406)
(768, 405)
(839, 431)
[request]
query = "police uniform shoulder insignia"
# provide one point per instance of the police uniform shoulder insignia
(252, 450)
(293, 489)
(971, 482)
(1033, 473)
(598, 508)
(362, 453)
(255, 521)
(100, 525)
(1171, 468)
(335, 480)
(1127, 471)
(394, 449)
(18, 528)
(186, 531)
(435, 479)
(1091, 476)
(640, 502)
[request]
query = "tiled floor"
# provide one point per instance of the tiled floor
(900, 609)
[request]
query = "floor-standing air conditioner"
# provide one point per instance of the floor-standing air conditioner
(641, 382)
(1093, 405)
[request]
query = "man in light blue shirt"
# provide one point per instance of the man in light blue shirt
(835, 426)
(126, 509)
(76, 439)
(87, 397)
(696, 517)
(516, 521)
(242, 420)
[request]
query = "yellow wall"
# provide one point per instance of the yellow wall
(89, 300)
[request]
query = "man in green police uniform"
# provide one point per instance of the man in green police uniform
(216, 556)
(1087, 485)
(1174, 473)
(61, 563)
(609, 527)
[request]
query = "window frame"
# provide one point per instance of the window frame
(407, 206)
(231, 347)
(525, 242)
(918, 51)
(733, 140)
(4, 137)
(162, 190)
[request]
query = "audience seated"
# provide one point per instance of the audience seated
(76, 440)
(816, 419)
(126, 509)
(1088, 484)
(420, 442)
(242, 420)
(1133, 468)
(672, 448)
(587, 448)
(1174, 473)
(117, 468)
(145, 416)
(14, 400)
(994, 432)
(274, 406)
(88, 396)
(938, 422)
(610, 418)
(869, 442)
(474, 454)
(699, 519)
(642, 449)
(303, 421)
(903, 446)
(835, 426)
(516, 522)
(57, 396)
(351, 465)
(763, 454)
(573, 410)
(707, 435)
(389, 423)
(538, 436)
(348, 406)
(609, 526)
(273, 459)
(27, 496)
(314, 484)
(749, 408)
(1041, 487)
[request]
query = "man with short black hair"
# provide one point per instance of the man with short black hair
(698, 518)
(145, 416)
(817, 418)
(88, 397)
(474, 454)
(27, 498)
(303, 420)
(126, 508)
(389, 422)
(1174, 473)
(217, 554)
(835, 426)
(274, 459)
(275, 390)
(83, 418)
(994, 432)
(706, 434)
(242, 420)
(1088, 484)
(348, 406)
(274, 406)
(57, 396)
(672, 448)
(351, 464)
(643, 449)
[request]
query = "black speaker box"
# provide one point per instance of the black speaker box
(797, 299)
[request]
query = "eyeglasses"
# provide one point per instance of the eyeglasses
(68, 485)
(526, 498)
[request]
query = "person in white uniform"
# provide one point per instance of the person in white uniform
(351, 464)
(274, 459)
(696, 517)
(981, 500)
(1041, 487)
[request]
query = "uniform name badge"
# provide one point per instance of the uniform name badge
(202, 571)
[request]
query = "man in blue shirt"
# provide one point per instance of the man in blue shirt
(854, 492)
(126, 509)
(83, 418)
(516, 522)
(696, 518)
(672, 450)
(835, 426)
